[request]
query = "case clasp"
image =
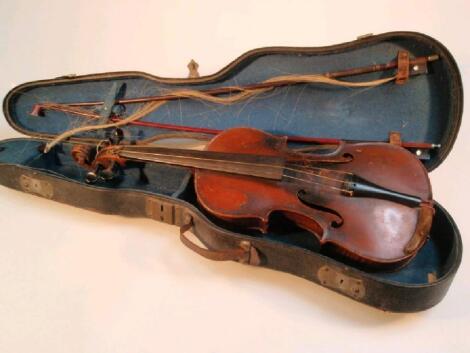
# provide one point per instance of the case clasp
(163, 211)
(352, 287)
(36, 186)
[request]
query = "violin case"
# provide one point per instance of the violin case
(426, 108)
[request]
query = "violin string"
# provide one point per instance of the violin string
(319, 175)
(302, 169)
(307, 181)
(349, 192)
(298, 170)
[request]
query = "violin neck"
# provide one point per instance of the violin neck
(268, 167)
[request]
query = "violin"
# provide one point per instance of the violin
(369, 202)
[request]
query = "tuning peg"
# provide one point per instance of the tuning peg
(116, 136)
(91, 178)
(101, 173)
(109, 173)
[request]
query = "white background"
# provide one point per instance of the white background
(76, 281)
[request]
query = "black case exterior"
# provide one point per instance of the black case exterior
(417, 286)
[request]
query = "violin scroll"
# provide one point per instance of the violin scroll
(100, 163)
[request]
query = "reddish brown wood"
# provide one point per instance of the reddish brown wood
(245, 175)
(371, 230)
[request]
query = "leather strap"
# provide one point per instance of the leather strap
(244, 253)
(394, 138)
(403, 69)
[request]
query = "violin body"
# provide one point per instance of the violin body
(374, 231)
(369, 202)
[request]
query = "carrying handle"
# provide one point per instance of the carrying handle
(244, 253)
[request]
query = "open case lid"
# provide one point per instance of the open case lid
(427, 108)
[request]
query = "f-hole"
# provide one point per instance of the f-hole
(303, 197)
